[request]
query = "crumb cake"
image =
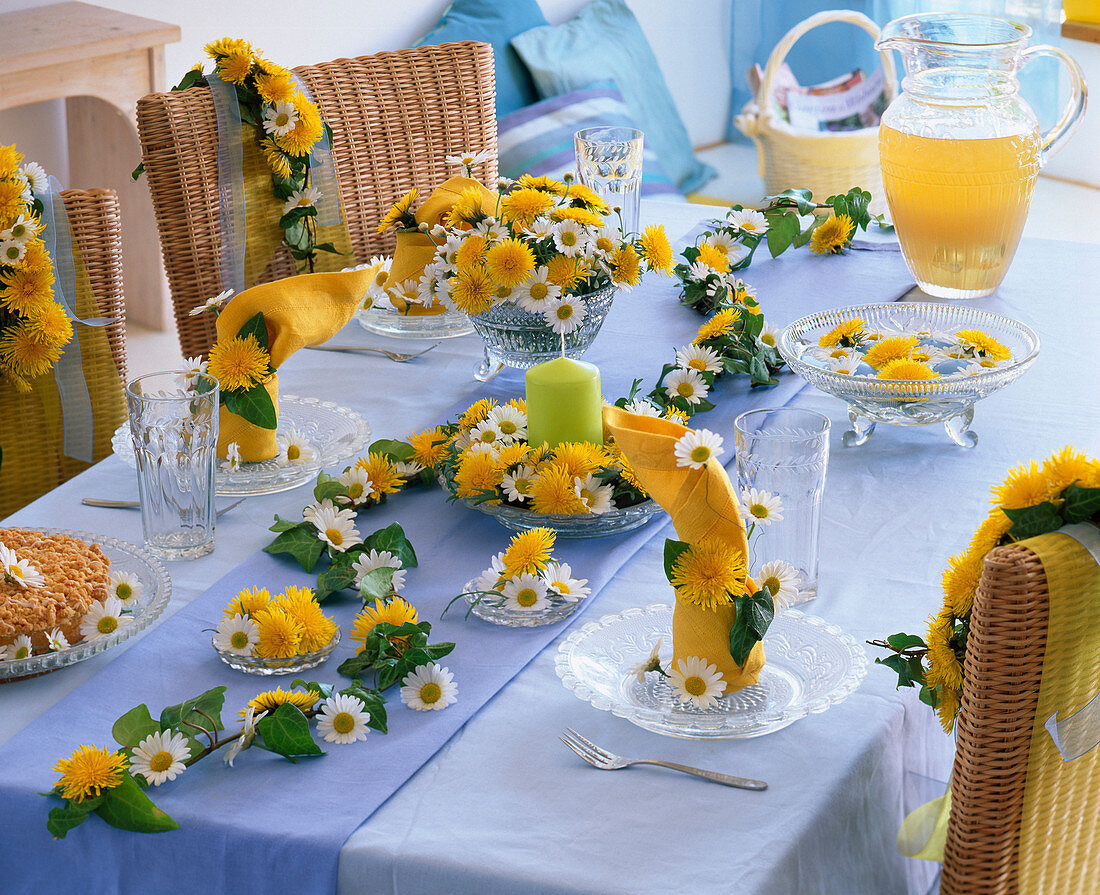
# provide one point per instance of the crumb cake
(76, 575)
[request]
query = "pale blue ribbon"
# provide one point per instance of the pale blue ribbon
(68, 372)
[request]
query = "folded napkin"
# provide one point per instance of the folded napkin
(702, 504)
(298, 311)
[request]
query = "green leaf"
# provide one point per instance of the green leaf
(803, 200)
(192, 78)
(127, 807)
(398, 451)
(60, 820)
(759, 370)
(282, 524)
(254, 405)
(376, 584)
(782, 231)
(194, 714)
(338, 575)
(134, 726)
(929, 697)
(437, 651)
(134, 175)
(256, 327)
(1032, 521)
(392, 538)
(900, 666)
(286, 731)
(296, 214)
(322, 690)
(301, 542)
(754, 616)
(1080, 503)
(356, 665)
(904, 641)
(328, 487)
(297, 236)
(373, 702)
(673, 550)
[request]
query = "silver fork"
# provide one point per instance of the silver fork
(392, 355)
(605, 761)
(134, 505)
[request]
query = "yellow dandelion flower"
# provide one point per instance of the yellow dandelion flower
(845, 334)
(429, 446)
(272, 699)
(307, 131)
(383, 475)
(578, 193)
(627, 266)
(399, 208)
(562, 271)
(991, 533)
(616, 457)
(473, 290)
(26, 289)
(224, 46)
(316, 627)
(25, 355)
(274, 84)
(546, 184)
(276, 159)
(477, 473)
(395, 612)
(676, 415)
(983, 343)
(280, 634)
(37, 258)
(709, 573)
(909, 370)
(471, 253)
(960, 582)
(476, 413)
(1025, 486)
(1064, 468)
(466, 209)
(553, 492)
(714, 258)
(656, 249)
(832, 236)
(12, 203)
(893, 348)
(581, 458)
(522, 206)
(582, 216)
(50, 325)
(721, 324)
(10, 157)
(238, 363)
(235, 66)
(528, 553)
(511, 455)
(948, 707)
(89, 771)
(247, 602)
(510, 261)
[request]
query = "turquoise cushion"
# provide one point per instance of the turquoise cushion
(605, 43)
(538, 139)
(494, 22)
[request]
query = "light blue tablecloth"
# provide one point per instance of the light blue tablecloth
(503, 807)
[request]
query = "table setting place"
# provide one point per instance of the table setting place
(366, 595)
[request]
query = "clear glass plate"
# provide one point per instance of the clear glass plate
(386, 322)
(290, 665)
(811, 665)
(335, 432)
(493, 609)
(156, 590)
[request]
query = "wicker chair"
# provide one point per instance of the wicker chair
(394, 117)
(31, 467)
(1004, 665)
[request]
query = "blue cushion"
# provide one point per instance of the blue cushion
(605, 42)
(538, 139)
(494, 22)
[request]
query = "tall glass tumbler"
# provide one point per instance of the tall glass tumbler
(784, 452)
(174, 426)
(609, 162)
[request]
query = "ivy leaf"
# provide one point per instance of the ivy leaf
(134, 175)
(673, 550)
(376, 584)
(127, 807)
(1080, 503)
(373, 702)
(355, 666)
(282, 524)
(322, 690)
(803, 200)
(398, 451)
(437, 651)
(759, 370)
(338, 575)
(905, 641)
(296, 214)
(297, 237)
(900, 666)
(256, 327)
(392, 538)
(1032, 521)
(301, 542)
(199, 712)
(929, 697)
(327, 488)
(782, 231)
(754, 616)
(253, 404)
(134, 726)
(60, 820)
(286, 731)
(328, 247)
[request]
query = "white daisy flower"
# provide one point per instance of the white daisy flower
(193, 367)
(504, 183)
(650, 663)
(936, 356)
(846, 364)
(696, 682)
(343, 719)
(510, 421)
(781, 579)
(698, 357)
(570, 238)
(541, 228)
(761, 507)
(769, 335)
(686, 384)
(232, 456)
(559, 576)
(55, 640)
(248, 733)
(237, 634)
(379, 559)
(566, 314)
(722, 240)
(748, 221)
(538, 293)
(18, 571)
(293, 448)
(24, 187)
(491, 229)
(426, 288)
(408, 468)
(642, 407)
(407, 291)
(972, 369)
(212, 304)
(161, 756)
(488, 579)
(429, 687)
(102, 619)
(742, 291)
(525, 593)
(20, 648)
(36, 176)
(696, 447)
(357, 485)
(22, 230)
(517, 483)
(12, 251)
(466, 162)
(307, 198)
(486, 432)
(280, 118)
(335, 527)
(594, 494)
(700, 271)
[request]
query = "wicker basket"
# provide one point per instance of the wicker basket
(826, 162)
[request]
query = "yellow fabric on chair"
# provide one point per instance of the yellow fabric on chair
(702, 504)
(298, 311)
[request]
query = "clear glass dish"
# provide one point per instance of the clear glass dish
(335, 432)
(811, 665)
(493, 609)
(948, 400)
(289, 665)
(388, 322)
(156, 591)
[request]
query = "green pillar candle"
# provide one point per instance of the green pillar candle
(564, 403)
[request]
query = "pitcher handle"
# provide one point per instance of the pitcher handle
(1053, 139)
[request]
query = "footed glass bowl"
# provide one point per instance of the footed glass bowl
(948, 399)
(388, 322)
(493, 608)
(289, 665)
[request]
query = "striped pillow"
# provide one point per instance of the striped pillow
(538, 139)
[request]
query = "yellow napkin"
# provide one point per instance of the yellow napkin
(702, 504)
(298, 311)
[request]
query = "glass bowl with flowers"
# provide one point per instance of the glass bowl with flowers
(284, 634)
(909, 364)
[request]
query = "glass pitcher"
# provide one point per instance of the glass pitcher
(960, 149)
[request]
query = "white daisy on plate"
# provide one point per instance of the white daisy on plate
(294, 448)
(559, 576)
(511, 422)
(652, 662)
(407, 291)
(570, 238)
(642, 407)
(748, 221)
(761, 506)
(847, 364)
(378, 559)
(280, 118)
(781, 579)
(357, 487)
(696, 446)
(769, 335)
(466, 162)
(12, 251)
(488, 579)
(535, 295)
(232, 460)
(36, 176)
(248, 733)
(698, 357)
(517, 483)
(594, 494)
(686, 384)
(486, 432)
(343, 719)
(565, 314)
(18, 571)
(55, 640)
(161, 756)
(429, 687)
(20, 648)
(212, 304)
(307, 198)
(525, 593)
(695, 681)
(237, 634)
(103, 618)
(336, 527)
(408, 468)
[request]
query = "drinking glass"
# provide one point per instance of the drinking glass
(784, 451)
(174, 426)
(609, 162)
